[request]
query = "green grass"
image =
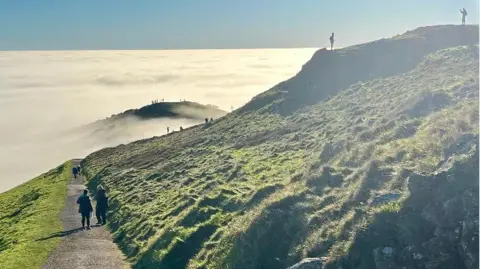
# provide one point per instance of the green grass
(301, 175)
(30, 212)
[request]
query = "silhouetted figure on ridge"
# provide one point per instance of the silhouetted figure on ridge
(211, 119)
(464, 14)
(102, 205)
(206, 120)
(332, 40)
(168, 129)
(85, 208)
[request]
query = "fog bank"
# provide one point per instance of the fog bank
(45, 95)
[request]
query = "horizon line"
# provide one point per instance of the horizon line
(159, 49)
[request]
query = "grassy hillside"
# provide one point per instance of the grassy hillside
(367, 158)
(31, 212)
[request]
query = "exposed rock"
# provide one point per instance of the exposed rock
(308, 263)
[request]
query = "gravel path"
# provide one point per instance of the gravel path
(83, 248)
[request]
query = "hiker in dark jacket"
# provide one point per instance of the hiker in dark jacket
(74, 171)
(102, 206)
(85, 208)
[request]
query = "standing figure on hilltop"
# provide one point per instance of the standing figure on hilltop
(85, 208)
(464, 14)
(168, 129)
(332, 40)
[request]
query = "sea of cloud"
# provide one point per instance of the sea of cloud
(46, 94)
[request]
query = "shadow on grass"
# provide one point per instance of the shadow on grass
(439, 221)
(180, 254)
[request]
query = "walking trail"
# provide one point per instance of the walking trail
(83, 248)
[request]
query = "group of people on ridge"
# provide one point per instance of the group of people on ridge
(85, 207)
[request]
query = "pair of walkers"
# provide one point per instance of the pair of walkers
(85, 207)
(76, 171)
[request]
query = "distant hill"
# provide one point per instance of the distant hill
(186, 110)
(147, 121)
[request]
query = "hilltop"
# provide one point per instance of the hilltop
(184, 109)
(367, 158)
(149, 120)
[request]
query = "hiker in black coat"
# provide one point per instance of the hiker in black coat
(85, 208)
(102, 206)
(75, 172)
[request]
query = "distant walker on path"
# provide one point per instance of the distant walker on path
(464, 14)
(75, 171)
(332, 40)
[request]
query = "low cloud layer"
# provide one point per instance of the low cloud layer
(45, 95)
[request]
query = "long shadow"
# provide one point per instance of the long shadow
(61, 234)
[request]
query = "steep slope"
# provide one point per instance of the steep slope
(29, 213)
(370, 164)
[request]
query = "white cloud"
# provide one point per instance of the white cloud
(44, 94)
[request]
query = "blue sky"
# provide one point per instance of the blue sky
(209, 24)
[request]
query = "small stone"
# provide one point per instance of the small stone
(387, 250)
(417, 256)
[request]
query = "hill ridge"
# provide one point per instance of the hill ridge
(363, 62)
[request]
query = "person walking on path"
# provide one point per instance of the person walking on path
(85, 208)
(102, 205)
(464, 14)
(332, 40)
(75, 172)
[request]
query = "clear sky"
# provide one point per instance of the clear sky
(209, 24)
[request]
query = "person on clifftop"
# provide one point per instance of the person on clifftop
(102, 205)
(332, 40)
(85, 208)
(464, 14)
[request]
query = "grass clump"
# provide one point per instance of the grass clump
(29, 213)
